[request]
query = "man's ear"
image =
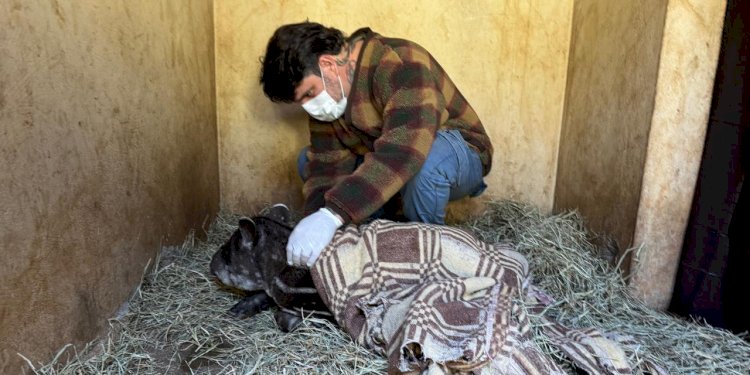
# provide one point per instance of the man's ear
(326, 61)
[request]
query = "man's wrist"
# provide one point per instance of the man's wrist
(333, 215)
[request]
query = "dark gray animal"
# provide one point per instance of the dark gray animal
(254, 261)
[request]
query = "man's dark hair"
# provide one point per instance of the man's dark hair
(292, 53)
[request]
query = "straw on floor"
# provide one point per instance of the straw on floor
(177, 323)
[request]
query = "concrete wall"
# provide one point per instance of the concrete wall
(509, 59)
(637, 100)
(689, 55)
(108, 149)
(614, 61)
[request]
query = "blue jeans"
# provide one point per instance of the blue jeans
(451, 171)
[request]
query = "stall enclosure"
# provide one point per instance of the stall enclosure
(121, 134)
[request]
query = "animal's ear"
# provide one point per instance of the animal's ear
(247, 230)
(279, 212)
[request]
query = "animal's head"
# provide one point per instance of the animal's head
(255, 252)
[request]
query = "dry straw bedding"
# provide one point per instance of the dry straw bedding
(176, 322)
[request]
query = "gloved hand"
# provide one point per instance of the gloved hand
(310, 236)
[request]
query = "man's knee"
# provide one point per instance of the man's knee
(425, 198)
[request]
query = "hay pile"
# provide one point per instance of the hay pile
(176, 322)
(590, 293)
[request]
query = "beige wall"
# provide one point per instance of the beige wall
(639, 89)
(614, 60)
(690, 52)
(509, 59)
(108, 149)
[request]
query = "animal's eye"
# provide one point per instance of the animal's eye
(225, 254)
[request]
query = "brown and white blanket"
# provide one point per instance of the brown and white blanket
(435, 299)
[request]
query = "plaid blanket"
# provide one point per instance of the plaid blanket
(435, 299)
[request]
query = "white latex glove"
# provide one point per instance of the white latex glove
(311, 235)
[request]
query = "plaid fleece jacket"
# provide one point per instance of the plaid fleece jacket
(399, 99)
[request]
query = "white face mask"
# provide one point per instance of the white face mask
(323, 107)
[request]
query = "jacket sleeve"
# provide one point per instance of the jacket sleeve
(413, 109)
(329, 162)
